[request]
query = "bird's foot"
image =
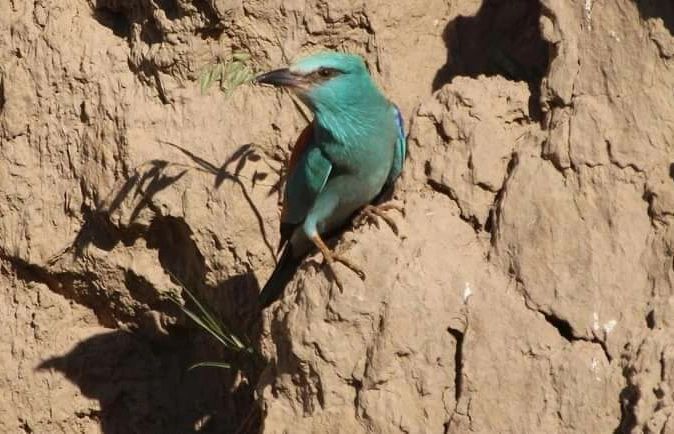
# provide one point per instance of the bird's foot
(372, 212)
(332, 257)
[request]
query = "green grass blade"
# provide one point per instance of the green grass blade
(216, 326)
(204, 326)
(240, 56)
(240, 77)
(228, 74)
(218, 71)
(207, 321)
(206, 315)
(205, 80)
(222, 365)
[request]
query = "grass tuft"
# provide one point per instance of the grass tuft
(229, 74)
(204, 317)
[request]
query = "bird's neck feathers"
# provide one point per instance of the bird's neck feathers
(351, 117)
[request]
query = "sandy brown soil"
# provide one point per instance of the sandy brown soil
(531, 289)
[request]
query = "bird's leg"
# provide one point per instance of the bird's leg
(371, 212)
(332, 257)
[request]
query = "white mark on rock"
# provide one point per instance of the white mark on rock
(609, 326)
(614, 35)
(587, 8)
(467, 292)
(606, 327)
(595, 368)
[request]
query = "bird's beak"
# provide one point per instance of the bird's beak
(280, 77)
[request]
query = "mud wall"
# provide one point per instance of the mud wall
(530, 289)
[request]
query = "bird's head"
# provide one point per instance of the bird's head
(326, 82)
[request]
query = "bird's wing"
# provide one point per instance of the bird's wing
(300, 145)
(400, 148)
(308, 172)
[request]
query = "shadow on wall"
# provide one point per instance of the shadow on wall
(141, 379)
(244, 154)
(171, 236)
(503, 38)
(143, 386)
(121, 15)
(658, 9)
(154, 176)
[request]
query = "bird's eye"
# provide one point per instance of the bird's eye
(326, 72)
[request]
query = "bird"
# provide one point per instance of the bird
(352, 150)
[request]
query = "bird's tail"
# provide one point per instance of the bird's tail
(283, 273)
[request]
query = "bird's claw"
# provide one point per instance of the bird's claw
(371, 212)
(350, 264)
(331, 257)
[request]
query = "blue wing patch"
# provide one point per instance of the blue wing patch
(400, 149)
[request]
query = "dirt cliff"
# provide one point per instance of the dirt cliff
(531, 288)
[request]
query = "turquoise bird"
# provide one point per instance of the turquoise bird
(352, 150)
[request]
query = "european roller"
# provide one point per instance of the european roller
(352, 150)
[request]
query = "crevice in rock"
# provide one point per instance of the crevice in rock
(84, 117)
(459, 338)
(320, 394)
(458, 362)
(629, 397)
(563, 326)
(657, 9)
(493, 221)
(502, 38)
(358, 388)
(602, 345)
(170, 8)
(650, 319)
(565, 330)
(449, 192)
(214, 25)
(2, 94)
(115, 20)
(24, 427)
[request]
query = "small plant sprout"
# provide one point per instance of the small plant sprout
(229, 74)
(204, 317)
